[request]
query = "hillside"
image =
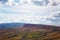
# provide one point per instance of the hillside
(31, 32)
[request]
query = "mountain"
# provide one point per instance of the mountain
(24, 25)
(31, 32)
(40, 26)
(10, 25)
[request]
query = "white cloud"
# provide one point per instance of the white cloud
(22, 12)
(10, 2)
(0, 4)
(57, 0)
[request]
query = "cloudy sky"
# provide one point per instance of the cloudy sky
(28, 11)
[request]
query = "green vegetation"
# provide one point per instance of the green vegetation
(31, 35)
(34, 36)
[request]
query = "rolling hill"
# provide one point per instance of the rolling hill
(18, 31)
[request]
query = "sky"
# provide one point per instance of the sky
(27, 11)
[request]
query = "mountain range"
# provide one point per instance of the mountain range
(10, 25)
(24, 25)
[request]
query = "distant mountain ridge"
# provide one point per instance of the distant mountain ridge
(24, 25)
(41, 26)
(10, 25)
